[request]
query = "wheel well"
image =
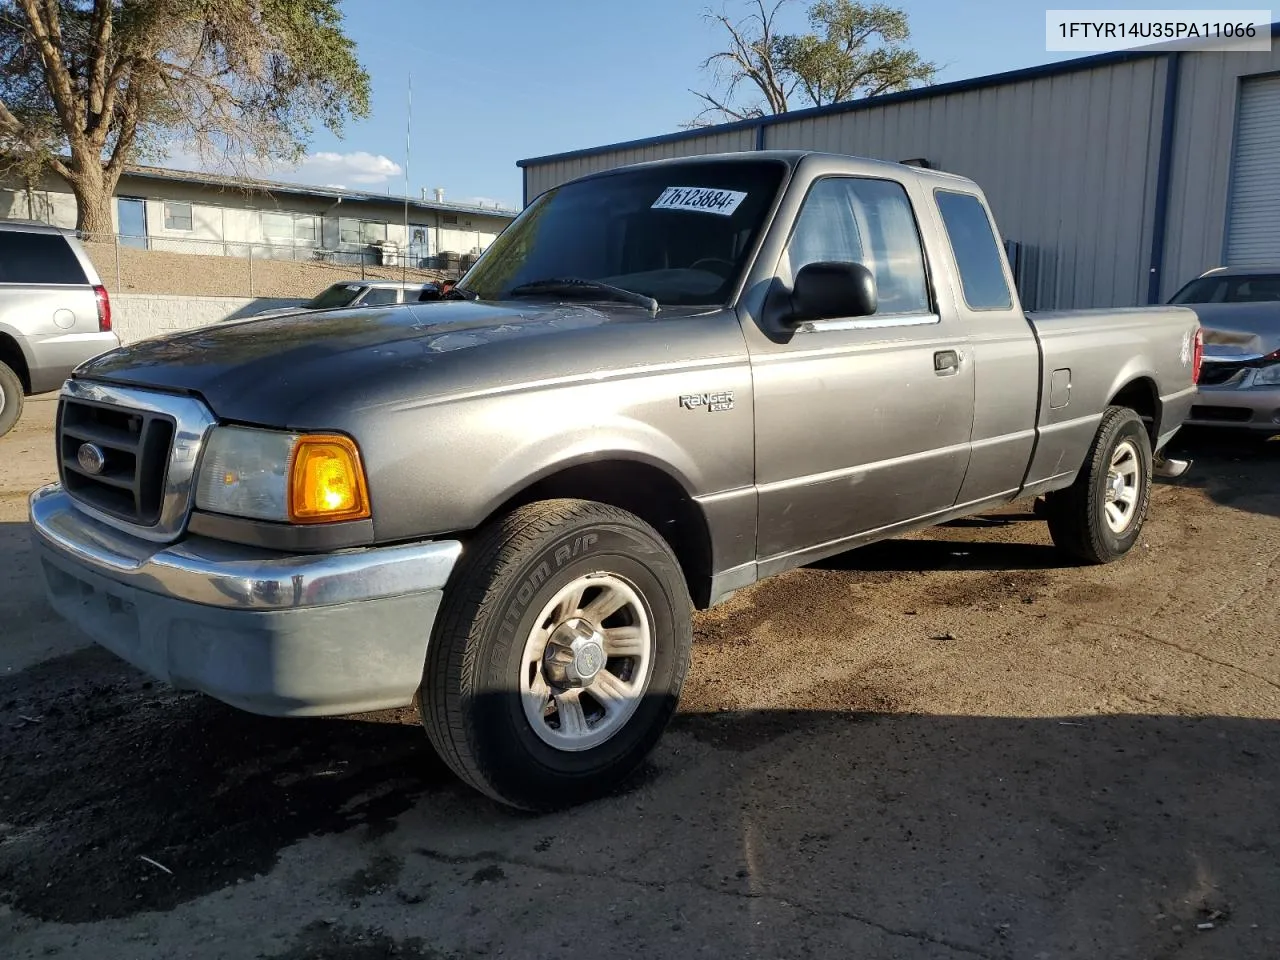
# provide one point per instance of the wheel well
(11, 356)
(651, 494)
(1142, 398)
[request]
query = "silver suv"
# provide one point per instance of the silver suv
(54, 312)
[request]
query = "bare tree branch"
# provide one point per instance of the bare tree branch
(852, 50)
(57, 77)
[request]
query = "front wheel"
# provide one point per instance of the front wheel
(1099, 517)
(559, 653)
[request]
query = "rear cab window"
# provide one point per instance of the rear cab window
(38, 258)
(975, 250)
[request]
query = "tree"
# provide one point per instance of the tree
(86, 86)
(854, 50)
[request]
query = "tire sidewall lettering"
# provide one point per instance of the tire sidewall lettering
(617, 551)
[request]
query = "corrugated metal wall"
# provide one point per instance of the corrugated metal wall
(1062, 159)
(545, 176)
(1069, 162)
(1208, 98)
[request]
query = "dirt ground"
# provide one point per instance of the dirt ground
(946, 746)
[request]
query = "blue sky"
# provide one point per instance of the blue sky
(495, 81)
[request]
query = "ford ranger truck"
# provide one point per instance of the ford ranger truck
(661, 384)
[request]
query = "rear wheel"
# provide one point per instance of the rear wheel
(10, 399)
(1099, 517)
(559, 654)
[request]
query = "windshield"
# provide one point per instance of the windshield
(1242, 288)
(679, 233)
(338, 295)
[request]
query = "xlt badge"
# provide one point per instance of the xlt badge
(714, 402)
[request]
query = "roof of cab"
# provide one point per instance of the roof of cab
(790, 157)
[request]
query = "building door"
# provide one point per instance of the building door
(1253, 220)
(132, 214)
(419, 243)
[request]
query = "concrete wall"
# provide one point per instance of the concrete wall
(136, 316)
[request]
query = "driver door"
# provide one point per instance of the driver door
(861, 422)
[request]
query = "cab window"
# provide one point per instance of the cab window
(976, 251)
(861, 220)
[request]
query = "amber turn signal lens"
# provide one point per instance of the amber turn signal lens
(326, 481)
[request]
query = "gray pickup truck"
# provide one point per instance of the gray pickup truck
(658, 386)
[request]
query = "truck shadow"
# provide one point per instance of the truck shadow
(1032, 833)
(1234, 469)
(919, 556)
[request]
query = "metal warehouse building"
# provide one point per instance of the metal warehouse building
(1114, 178)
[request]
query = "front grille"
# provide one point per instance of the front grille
(1222, 414)
(1216, 374)
(135, 448)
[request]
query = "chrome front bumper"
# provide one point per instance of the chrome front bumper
(279, 634)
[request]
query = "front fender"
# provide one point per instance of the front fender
(614, 439)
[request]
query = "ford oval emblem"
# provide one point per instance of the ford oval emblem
(91, 458)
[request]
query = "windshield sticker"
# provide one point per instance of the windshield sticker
(701, 199)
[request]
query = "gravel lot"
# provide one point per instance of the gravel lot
(945, 746)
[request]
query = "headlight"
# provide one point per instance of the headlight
(1268, 376)
(272, 475)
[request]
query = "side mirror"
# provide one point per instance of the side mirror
(832, 289)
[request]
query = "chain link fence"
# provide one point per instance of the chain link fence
(229, 268)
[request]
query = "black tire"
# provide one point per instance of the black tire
(469, 698)
(1077, 515)
(10, 399)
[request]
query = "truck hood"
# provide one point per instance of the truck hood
(290, 370)
(1239, 329)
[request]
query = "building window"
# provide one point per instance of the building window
(451, 219)
(361, 231)
(289, 227)
(177, 216)
(277, 226)
(305, 229)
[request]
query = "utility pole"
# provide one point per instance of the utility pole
(408, 126)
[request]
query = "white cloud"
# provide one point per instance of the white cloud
(359, 167)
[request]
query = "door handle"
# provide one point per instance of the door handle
(946, 362)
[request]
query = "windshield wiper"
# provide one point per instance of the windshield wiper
(573, 285)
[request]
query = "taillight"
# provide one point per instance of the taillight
(104, 309)
(1198, 359)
